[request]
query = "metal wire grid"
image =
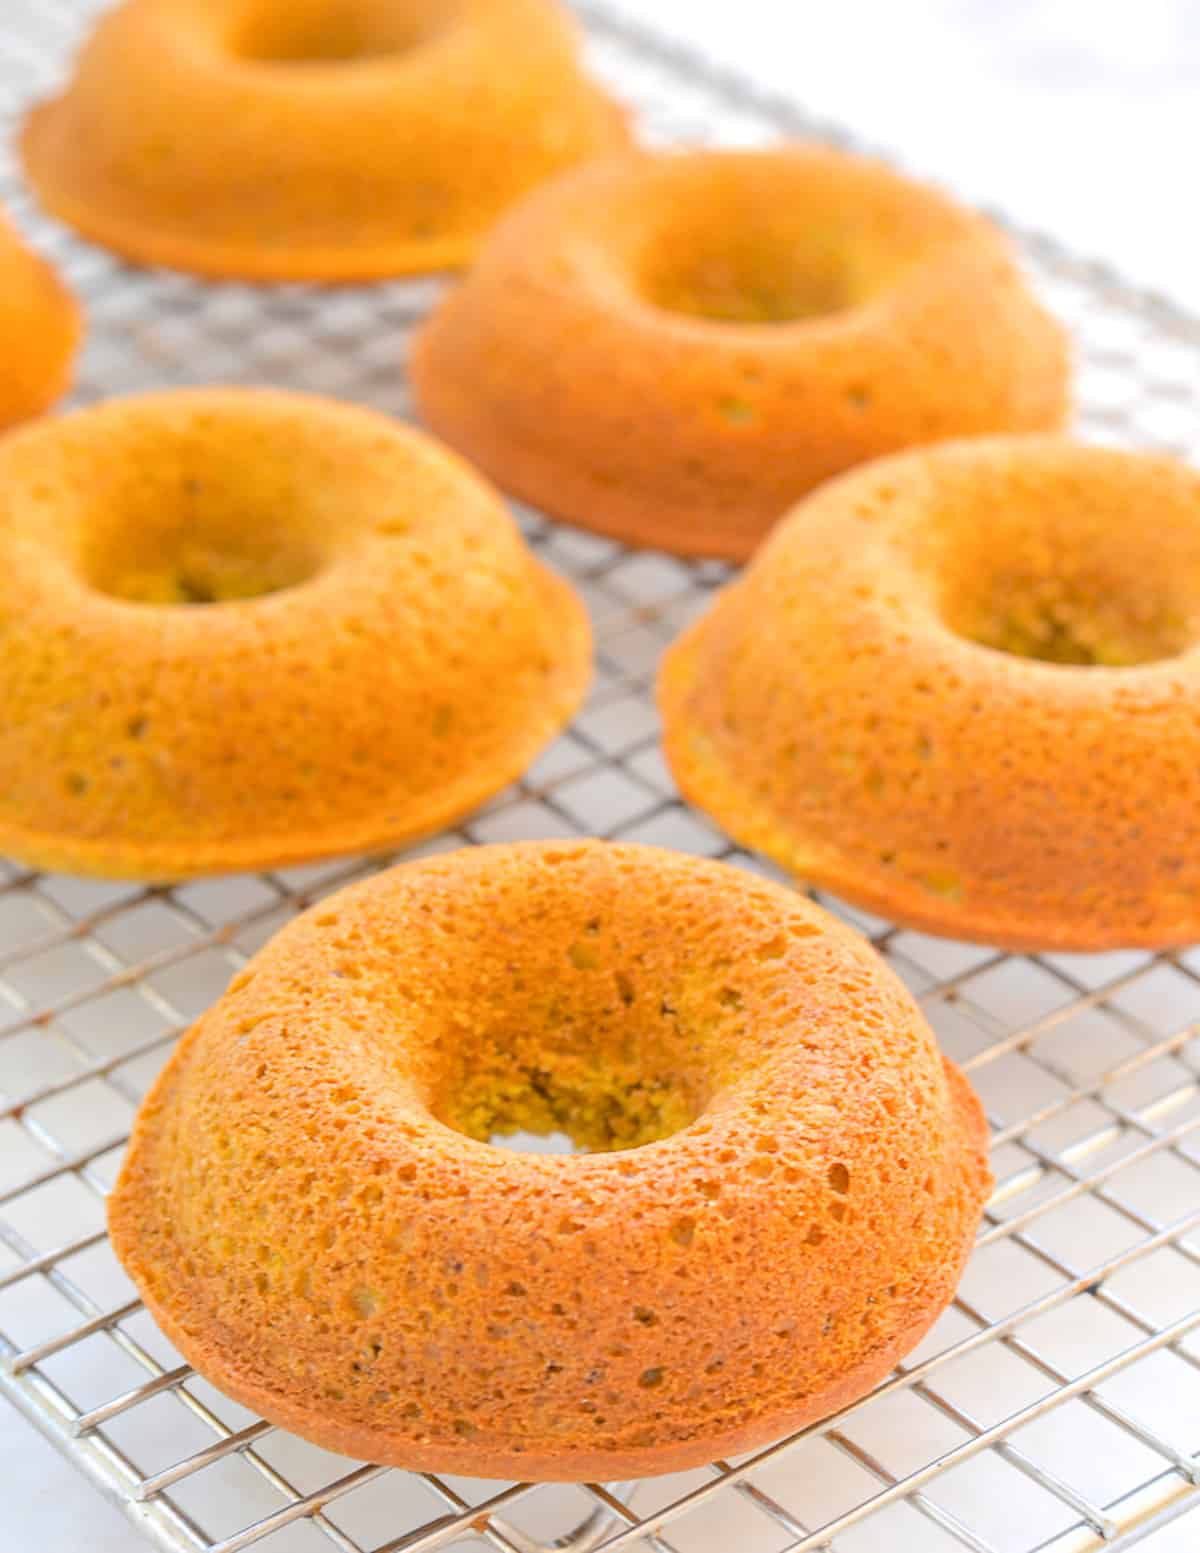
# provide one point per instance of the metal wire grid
(1055, 1407)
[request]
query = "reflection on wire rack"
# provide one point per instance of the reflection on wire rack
(1056, 1406)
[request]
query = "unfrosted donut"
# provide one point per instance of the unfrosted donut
(673, 348)
(39, 330)
(242, 628)
(962, 687)
(313, 139)
(790, 1178)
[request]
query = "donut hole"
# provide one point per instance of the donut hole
(519, 1142)
(751, 238)
(621, 1090)
(317, 32)
(203, 510)
(1054, 621)
(578, 1040)
(1074, 577)
(751, 278)
(189, 562)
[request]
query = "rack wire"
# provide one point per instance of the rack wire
(1056, 1406)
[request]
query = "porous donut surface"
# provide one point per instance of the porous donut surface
(672, 348)
(794, 1174)
(962, 688)
(326, 140)
(242, 627)
(40, 327)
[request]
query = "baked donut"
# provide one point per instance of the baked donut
(962, 688)
(672, 348)
(313, 1214)
(39, 330)
(313, 139)
(241, 628)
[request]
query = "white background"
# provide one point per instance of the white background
(1081, 117)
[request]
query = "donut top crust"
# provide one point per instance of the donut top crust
(310, 1223)
(963, 688)
(673, 347)
(241, 626)
(40, 326)
(313, 139)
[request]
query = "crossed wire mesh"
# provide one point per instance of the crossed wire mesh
(1057, 1404)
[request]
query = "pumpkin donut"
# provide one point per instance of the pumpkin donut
(673, 348)
(327, 140)
(242, 628)
(314, 1216)
(39, 331)
(962, 687)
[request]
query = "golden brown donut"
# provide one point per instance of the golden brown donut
(793, 1179)
(672, 348)
(39, 330)
(240, 628)
(962, 688)
(313, 139)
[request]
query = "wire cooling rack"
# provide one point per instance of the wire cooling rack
(1056, 1406)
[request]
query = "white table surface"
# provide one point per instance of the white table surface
(1078, 116)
